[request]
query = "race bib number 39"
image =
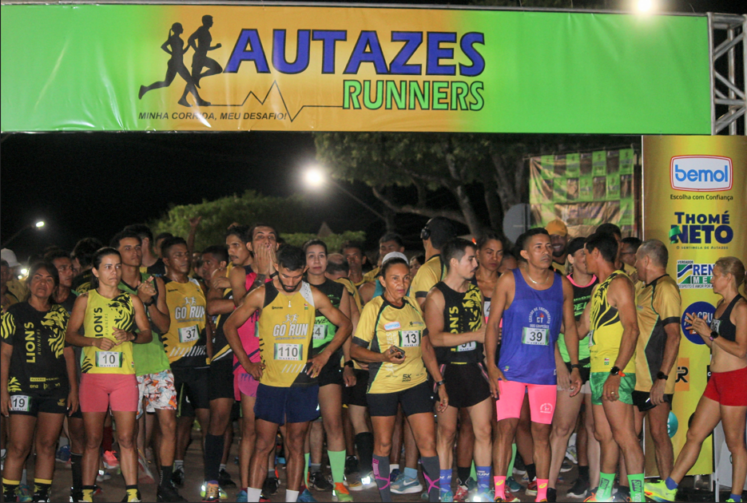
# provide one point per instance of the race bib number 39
(189, 334)
(289, 352)
(20, 403)
(410, 338)
(109, 359)
(534, 336)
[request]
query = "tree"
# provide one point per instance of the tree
(333, 241)
(289, 214)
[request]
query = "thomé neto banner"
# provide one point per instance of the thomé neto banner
(694, 191)
(83, 67)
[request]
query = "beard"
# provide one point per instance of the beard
(558, 253)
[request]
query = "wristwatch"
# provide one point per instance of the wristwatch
(714, 335)
(615, 371)
(440, 383)
(349, 363)
(575, 366)
(661, 375)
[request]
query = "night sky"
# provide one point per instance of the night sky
(93, 184)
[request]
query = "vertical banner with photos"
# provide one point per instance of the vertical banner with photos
(585, 189)
(694, 189)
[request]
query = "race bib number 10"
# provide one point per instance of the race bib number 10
(20, 403)
(534, 336)
(289, 352)
(108, 359)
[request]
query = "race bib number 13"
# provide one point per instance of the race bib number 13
(289, 352)
(20, 403)
(108, 359)
(410, 338)
(534, 336)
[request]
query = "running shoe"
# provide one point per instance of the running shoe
(367, 480)
(319, 482)
(567, 466)
(462, 491)
(512, 485)
(447, 497)
(404, 485)
(41, 497)
(531, 489)
(306, 497)
(75, 496)
(63, 454)
(221, 492)
(580, 489)
(225, 480)
(103, 476)
(212, 492)
(519, 468)
(351, 465)
(340, 492)
(144, 474)
(353, 482)
(270, 486)
(164, 494)
(136, 499)
(242, 497)
(592, 495)
(658, 491)
(510, 498)
(571, 455)
(394, 475)
(177, 477)
(110, 460)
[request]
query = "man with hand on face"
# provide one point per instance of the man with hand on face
(288, 389)
(533, 301)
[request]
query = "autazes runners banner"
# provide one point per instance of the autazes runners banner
(83, 67)
(585, 189)
(694, 191)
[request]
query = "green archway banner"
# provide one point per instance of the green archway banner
(299, 68)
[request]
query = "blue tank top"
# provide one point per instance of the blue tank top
(531, 326)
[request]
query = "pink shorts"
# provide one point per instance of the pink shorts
(541, 400)
(100, 392)
(244, 384)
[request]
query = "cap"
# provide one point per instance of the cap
(389, 256)
(10, 257)
(558, 227)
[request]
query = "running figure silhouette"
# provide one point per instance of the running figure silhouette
(176, 65)
(200, 41)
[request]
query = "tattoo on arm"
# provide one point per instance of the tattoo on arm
(258, 281)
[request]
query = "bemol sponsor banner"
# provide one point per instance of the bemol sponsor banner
(331, 68)
(694, 191)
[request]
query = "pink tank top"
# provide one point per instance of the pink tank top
(248, 333)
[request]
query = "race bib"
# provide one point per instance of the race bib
(410, 338)
(189, 334)
(109, 359)
(320, 332)
(20, 403)
(289, 352)
(534, 336)
(468, 346)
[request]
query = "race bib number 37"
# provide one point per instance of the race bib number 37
(189, 334)
(20, 403)
(289, 352)
(534, 336)
(109, 359)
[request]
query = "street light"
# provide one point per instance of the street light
(644, 6)
(38, 225)
(315, 177)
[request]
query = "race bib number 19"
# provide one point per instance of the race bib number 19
(189, 334)
(289, 352)
(108, 359)
(410, 338)
(534, 336)
(20, 403)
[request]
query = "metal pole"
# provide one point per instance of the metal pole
(357, 200)
(710, 72)
(732, 79)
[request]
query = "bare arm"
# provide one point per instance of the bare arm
(72, 378)
(141, 320)
(159, 312)
(76, 321)
(366, 291)
(337, 318)
(6, 351)
(434, 320)
(216, 304)
(583, 325)
(194, 223)
(622, 296)
(250, 304)
(431, 363)
(237, 277)
(738, 347)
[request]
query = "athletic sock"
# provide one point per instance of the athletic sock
(253, 495)
(431, 470)
(500, 486)
(222, 465)
(444, 481)
(291, 496)
(364, 442)
(463, 473)
(671, 484)
(9, 489)
(107, 441)
(315, 467)
(88, 493)
(531, 471)
(483, 479)
(23, 477)
(213, 454)
(736, 497)
(606, 483)
(76, 462)
(132, 493)
(636, 487)
(541, 489)
(510, 472)
(583, 473)
(411, 473)
(41, 486)
(306, 460)
(381, 475)
(165, 480)
(271, 474)
(337, 465)
(179, 464)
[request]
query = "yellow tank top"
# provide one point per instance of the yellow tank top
(285, 329)
(606, 330)
(186, 343)
(102, 315)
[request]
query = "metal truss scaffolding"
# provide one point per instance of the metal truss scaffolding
(727, 33)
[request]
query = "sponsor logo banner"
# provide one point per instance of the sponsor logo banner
(692, 275)
(701, 173)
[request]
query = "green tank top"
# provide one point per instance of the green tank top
(149, 358)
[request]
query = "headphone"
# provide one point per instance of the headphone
(425, 233)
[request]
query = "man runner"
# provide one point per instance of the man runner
(611, 319)
(454, 317)
(354, 254)
(152, 262)
(288, 390)
(532, 301)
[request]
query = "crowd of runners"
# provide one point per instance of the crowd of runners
(467, 354)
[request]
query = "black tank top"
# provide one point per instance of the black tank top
(723, 325)
(462, 314)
